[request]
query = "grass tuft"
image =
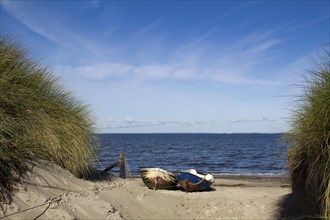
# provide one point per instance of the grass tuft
(39, 118)
(309, 152)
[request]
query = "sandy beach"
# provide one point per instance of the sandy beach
(53, 193)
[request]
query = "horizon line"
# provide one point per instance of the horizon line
(190, 132)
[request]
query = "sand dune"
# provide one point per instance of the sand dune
(53, 193)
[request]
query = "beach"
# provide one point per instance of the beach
(50, 192)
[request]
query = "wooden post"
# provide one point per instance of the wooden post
(122, 166)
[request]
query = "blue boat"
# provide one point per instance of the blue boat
(192, 181)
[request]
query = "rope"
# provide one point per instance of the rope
(42, 212)
(55, 199)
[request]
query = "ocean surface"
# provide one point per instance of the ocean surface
(242, 154)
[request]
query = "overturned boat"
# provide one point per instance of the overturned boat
(192, 181)
(157, 178)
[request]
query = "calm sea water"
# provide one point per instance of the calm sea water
(215, 153)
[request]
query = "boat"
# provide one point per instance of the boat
(192, 181)
(157, 178)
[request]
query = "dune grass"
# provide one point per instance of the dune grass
(39, 119)
(309, 152)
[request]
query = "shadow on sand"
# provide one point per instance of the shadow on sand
(295, 206)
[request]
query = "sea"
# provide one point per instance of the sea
(226, 154)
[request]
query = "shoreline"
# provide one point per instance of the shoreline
(237, 176)
(246, 180)
(249, 179)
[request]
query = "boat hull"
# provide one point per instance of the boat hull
(192, 182)
(157, 178)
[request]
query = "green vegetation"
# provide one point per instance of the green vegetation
(309, 152)
(39, 119)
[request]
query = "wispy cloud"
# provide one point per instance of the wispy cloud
(233, 65)
(163, 72)
(200, 59)
(21, 13)
(248, 120)
(50, 26)
(295, 27)
(98, 71)
(233, 77)
(129, 122)
(235, 9)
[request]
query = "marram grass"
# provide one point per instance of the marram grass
(39, 119)
(309, 153)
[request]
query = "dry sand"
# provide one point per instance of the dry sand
(53, 193)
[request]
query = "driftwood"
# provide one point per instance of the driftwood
(122, 162)
(111, 166)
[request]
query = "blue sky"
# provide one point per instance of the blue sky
(176, 66)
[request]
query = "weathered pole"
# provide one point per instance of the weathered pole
(122, 166)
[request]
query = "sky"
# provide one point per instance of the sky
(176, 66)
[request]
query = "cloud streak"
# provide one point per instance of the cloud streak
(50, 26)
(235, 64)
(129, 122)
(157, 72)
(247, 120)
(201, 59)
